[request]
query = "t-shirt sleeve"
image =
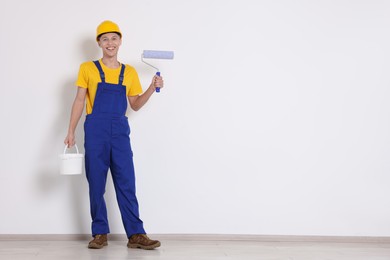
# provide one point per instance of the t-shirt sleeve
(135, 87)
(82, 79)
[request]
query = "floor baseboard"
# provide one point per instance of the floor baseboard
(201, 237)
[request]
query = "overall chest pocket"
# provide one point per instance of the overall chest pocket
(112, 100)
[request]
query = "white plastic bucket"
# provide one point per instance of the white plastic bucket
(71, 163)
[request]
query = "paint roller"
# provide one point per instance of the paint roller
(149, 54)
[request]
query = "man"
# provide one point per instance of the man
(107, 84)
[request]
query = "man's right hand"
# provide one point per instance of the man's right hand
(70, 140)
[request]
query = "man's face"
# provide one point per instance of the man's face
(110, 42)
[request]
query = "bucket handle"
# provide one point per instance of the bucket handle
(66, 147)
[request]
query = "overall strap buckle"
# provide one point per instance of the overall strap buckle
(102, 77)
(121, 75)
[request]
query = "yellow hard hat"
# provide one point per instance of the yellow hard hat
(107, 27)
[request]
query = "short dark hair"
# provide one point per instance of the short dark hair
(100, 35)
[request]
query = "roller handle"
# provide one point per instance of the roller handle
(157, 88)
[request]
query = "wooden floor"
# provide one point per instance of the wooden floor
(187, 249)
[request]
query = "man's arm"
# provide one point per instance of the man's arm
(77, 110)
(136, 102)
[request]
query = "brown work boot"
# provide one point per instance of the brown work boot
(98, 242)
(142, 241)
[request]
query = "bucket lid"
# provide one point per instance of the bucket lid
(71, 155)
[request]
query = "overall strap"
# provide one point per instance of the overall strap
(102, 77)
(121, 75)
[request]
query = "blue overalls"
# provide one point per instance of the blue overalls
(107, 146)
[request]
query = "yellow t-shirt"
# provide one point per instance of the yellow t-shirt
(89, 78)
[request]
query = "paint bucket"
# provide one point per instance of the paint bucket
(71, 163)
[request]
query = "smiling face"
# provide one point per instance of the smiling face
(110, 42)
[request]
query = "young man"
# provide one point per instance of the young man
(107, 84)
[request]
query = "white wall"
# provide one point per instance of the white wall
(274, 119)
